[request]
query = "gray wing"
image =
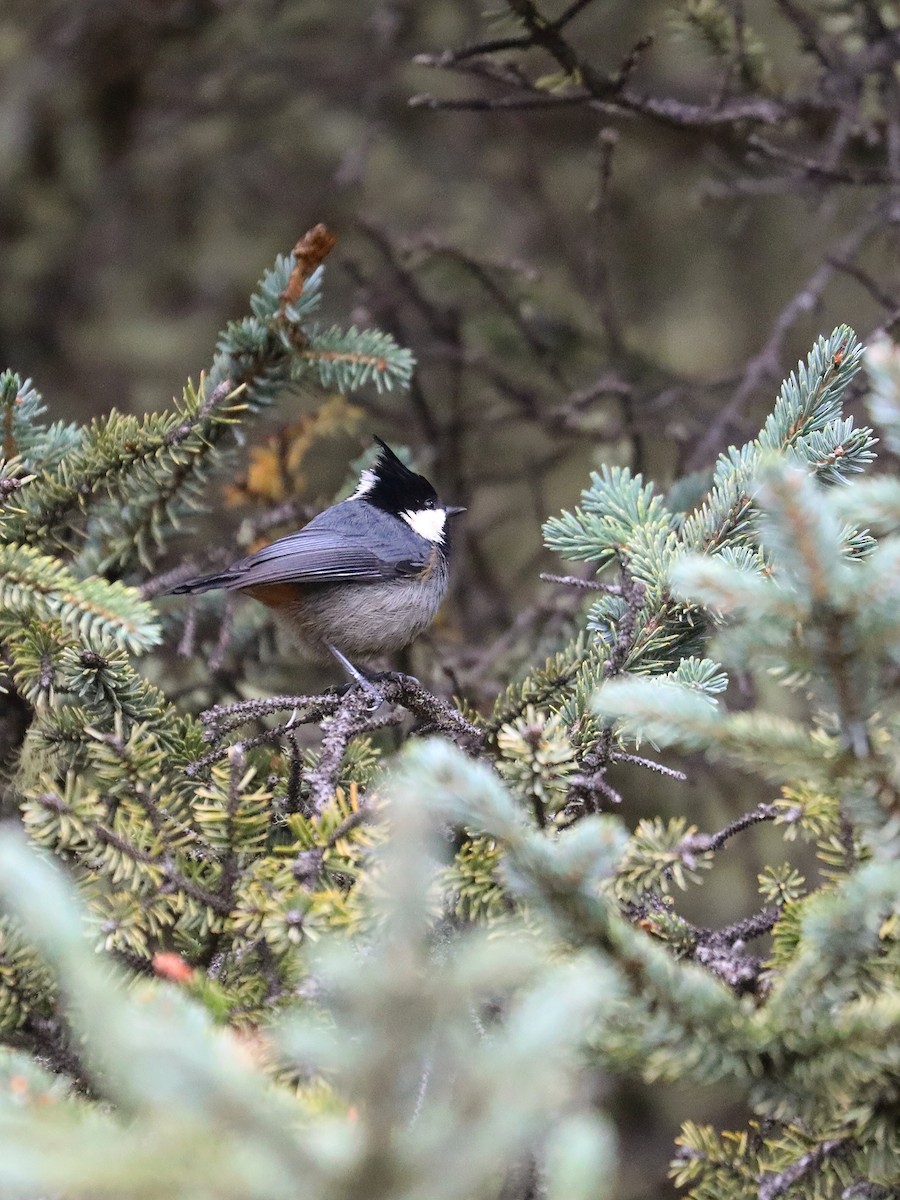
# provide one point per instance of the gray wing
(314, 555)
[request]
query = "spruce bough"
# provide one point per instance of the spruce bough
(363, 963)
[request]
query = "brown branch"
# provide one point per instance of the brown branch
(309, 253)
(702, 843)
(351, 718)
(342, 717)
(719, 951)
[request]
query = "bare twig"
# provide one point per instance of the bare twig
(607, 141)
(350, 719)
(721, 951)
(587, 585)
(811, 36)
(702, 843)
(638, 760)
(49, 1041)
(821, 168)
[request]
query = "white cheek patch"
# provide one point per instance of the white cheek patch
(428, 523)
(367, 481)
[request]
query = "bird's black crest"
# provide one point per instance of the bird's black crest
(394, 488)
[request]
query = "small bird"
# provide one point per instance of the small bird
(363, 578)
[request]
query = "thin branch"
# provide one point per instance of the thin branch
(818, 169)
(621, 756)
(230, 867)
(702, 843)
(772, 1186)
(342, 717)
(587, 585)
(599, 208)
(173, 879)
(528, 100)
(719, 951)
(49, 1041)
(350, 719)
(811, 36)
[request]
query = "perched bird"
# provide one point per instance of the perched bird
(364, 577)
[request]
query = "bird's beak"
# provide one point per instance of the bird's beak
(454, 510)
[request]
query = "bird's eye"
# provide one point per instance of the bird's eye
(429, 503)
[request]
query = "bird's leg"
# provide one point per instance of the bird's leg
(357, 676)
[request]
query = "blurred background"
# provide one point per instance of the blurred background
(622, 276)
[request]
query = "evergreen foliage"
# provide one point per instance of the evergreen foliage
(415, 975)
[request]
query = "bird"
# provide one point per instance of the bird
(363, 578)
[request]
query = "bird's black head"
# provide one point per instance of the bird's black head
(391, 486)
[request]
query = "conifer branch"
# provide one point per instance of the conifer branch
(623, 520)
(704, 842)
(160, 868)
(34, 584)
(774, 1185)
(240, 844)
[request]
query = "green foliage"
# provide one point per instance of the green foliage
(624, 522)
(277, 347)
(188, 1113)
(659, 856)
(472, 885)
(368, 963)
(102, 780)
(35, 585)
(112, 493)
(25, 435)
(536, 759)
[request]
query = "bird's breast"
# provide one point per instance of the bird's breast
(361, 619)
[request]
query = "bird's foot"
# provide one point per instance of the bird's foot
(376, 699)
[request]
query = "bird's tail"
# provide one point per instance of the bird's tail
(203, 583)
